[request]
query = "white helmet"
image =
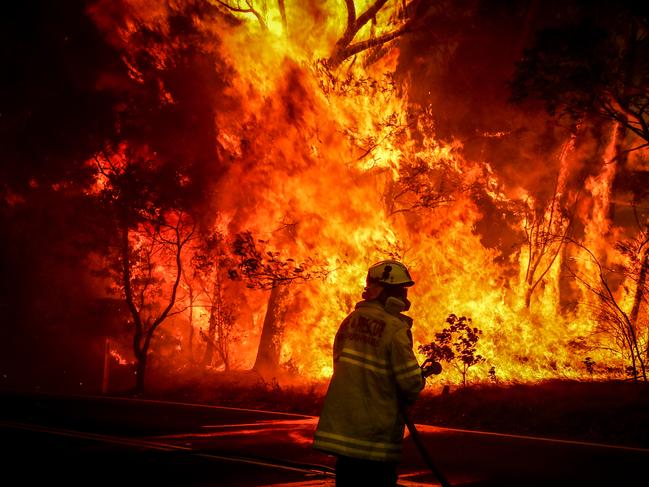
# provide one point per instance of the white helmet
(391, 273)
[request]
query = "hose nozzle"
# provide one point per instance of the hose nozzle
(431, 367)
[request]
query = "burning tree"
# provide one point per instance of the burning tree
(596, 69)
(247, 7)
(611, 287)
(402, 18)
(424, 186)
(546, 232)
(192, 296)
(267, 270)
(231, 118)
(145, 252)
(430, 176)
(602, 64)
(154, 245)
(211, 263)
(635, 269)
(346, 48)
(456, 345)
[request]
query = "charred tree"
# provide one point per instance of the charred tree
(637, 253)
(546, 231)
(269, 271)
(211, 262)
(614, 321)
(144, 255)
(209, 337)
(456, 345)
(345, 47)
(247, 7)
(141, 286)
(270, 343)
(220, 324)
(602, 62)
(192, 296)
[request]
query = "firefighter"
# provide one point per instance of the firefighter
(375, 373)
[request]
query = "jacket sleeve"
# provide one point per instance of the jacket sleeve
(405, 367)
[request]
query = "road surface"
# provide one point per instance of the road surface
(83, 440)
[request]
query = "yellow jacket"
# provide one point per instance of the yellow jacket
(374, 369)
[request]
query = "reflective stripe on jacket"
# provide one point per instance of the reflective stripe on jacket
(374, 368)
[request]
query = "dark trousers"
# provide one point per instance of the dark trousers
(357, 472)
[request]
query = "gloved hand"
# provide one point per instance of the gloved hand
(430, 367)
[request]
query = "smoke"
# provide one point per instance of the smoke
(245, 139)
(54, 112)
(460, 64)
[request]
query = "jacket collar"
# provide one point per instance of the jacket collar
(370, 304)
(373, 304)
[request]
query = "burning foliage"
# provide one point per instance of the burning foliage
(256, 157)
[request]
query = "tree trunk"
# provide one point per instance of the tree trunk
(282, 11)
(621, 154)
(622, 159)
(639, 290)
(191, 342)
(268, 353)
(140, 370)
(637, 301)
(208, 357)
(211, 332)
(190, 335)
(221, 322)
(223, 349)
(528, 296)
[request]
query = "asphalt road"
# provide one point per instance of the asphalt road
(81, 440)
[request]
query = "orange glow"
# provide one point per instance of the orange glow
(120, 359)
(337, 165)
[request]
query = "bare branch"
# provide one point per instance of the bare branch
(282, 12)
(249, 10)
(179, 244)
(357, 47)
(351, 30)
(344, 48)
(179, 311)
(369, 14)
(621, 324)
(265, 269)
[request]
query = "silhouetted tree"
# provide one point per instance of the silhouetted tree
(546, 230)
(267, 269)
(189, 286)
(636, 268)
(212, 262)
(595, 65)
(247, 7)
(145, 240)
(629, 335)
(48, 129)
(456, 345)
(346, 48)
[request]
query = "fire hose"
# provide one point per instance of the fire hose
(429, 367)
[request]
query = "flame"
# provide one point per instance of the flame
(120, 358)
(318, 167)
